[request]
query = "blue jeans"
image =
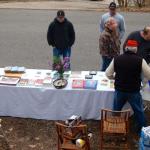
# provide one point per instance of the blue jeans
(106, 61)
(135, 100)
(64, 53)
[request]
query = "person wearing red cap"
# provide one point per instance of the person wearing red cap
(143, 38)
(128, 68)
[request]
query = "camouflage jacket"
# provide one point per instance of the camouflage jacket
(109, 43)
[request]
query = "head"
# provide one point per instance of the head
(132, 46)
(60, 16)
(111, 24)
(146, 33)
(112, 8)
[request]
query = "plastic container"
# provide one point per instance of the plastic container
(144, 143)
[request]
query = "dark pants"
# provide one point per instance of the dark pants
(106, 61)
(135, 100)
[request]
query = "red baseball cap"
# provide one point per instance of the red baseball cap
(132, 43)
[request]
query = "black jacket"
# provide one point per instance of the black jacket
(128, 68)
(61, 35)
(143, 45)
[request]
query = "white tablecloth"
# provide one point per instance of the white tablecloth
(51, 103)
(54, 104)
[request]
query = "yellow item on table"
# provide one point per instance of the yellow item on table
(13, 75)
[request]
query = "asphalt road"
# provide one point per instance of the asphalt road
(23, 37)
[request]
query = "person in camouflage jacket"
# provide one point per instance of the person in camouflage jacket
(109, 43)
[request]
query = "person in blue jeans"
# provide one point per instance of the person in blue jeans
(135, 100)
(106, 61)
(128, 68)
(109, 43)
(61, 36)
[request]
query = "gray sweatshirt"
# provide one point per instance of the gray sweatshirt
(120, 20)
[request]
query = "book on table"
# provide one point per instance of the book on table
(7, 69)
(9, 80)
(38, 82)
(14, 69)
(31, 82)
(90, 84)
(86, 84)
(23, 82)
(104, 82)
(15, 75)
(77, 83)
(21, 69)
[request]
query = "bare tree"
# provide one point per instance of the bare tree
(123, 3)
(139, 3)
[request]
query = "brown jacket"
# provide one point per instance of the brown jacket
(109, 43)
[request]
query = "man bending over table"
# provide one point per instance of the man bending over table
(128, 68)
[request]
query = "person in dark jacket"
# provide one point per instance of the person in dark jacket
(128, 68)
(143, 38)
(61, 36)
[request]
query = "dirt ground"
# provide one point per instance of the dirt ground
(32, 134)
